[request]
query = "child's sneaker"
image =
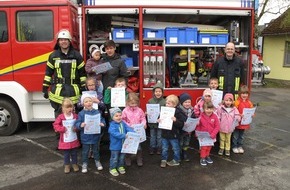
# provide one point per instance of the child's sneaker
(235, 150)
(228, 153)
(122, 170)
(66, 169)
(208, 160)
(75, 167)
(241, 150)
(114, 172)
(163, 164)
(151, 151)
(158, 151)
(173, 163)
(84, 168)
(221, 152)
(203, 162)
(99, 165)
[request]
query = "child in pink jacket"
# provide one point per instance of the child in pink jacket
(229, 116)
(209, 122)
(132, 114)
(68, 145)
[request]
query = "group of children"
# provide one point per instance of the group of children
(222, 120)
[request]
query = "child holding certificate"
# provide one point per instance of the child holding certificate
(171, 137)
(238, 134)
(68, 142)
(209, 122)
(89, 123)
(187, 109)
(155, 133)
(132, 115)
(117, 130)
(229, 116)
(206, 97)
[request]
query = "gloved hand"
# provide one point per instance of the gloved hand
(45, 92)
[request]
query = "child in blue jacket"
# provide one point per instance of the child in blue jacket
(117, 130)
(91, 139)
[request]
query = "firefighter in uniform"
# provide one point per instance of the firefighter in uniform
(65, 73)
(229, 70)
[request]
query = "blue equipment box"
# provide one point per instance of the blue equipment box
(123, 34)
(184, 35)
(154, 33)
(128, 61)
(213, 38)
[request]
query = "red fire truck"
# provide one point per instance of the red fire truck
(170, 42)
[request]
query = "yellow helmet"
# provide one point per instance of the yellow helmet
(192, 52)
(183, 52)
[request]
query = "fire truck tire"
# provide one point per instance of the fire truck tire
(9, 117)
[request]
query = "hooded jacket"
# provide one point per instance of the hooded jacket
(119, 70)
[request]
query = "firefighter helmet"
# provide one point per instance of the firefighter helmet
(65, 34)
(192, 52)
(183, 52)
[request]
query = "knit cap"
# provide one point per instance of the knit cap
(158, 85)
(115, 110)
(207, 92)
(228, 96)
(95, 50)
(183, 97)
(84, 96)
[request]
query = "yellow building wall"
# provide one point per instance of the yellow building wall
(273, 56)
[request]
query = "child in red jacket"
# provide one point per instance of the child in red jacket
(209, 122)
(238, 134)
(68, 142)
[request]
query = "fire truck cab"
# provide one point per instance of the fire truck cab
(171, 42)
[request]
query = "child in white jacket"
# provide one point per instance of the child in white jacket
(229, 117)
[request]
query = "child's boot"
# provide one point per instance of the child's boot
(139, 158)
(128, 160)
(66, 169)
(185, 156)
(75, 167)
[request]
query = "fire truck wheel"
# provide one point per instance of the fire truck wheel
(9, 117)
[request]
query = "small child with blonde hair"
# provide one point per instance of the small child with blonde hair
(133, 114)
(171, 137)
(69, 147)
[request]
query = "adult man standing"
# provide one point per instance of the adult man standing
(119, 67)
(229, 70)
(65, 73)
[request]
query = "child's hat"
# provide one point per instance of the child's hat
(115, 110)
(158, 85)
(207, 92)
(84, 96)
(95, 50)
(228, 96)
(183, 97)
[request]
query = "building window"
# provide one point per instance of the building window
(287, 55)
(34, 26)
(3, 27)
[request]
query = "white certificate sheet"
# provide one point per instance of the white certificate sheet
(92, 94)
(204, 138)
(118, 97)
(153, 111)
(92, 124)
(190, 124)
(131, 143)
(166, 114)
(217, 97)
(139, 129)
(247, 115)
(69, 135)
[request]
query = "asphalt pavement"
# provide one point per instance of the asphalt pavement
(30, 161)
